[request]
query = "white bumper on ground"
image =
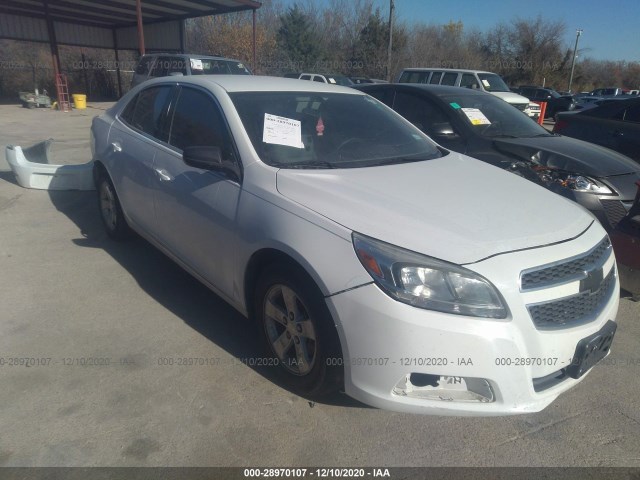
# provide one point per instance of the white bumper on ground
(32, 169)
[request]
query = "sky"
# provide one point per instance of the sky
(611, 29)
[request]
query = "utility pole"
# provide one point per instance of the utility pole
(575, 54)
(391, 7)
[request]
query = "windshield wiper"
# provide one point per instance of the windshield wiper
(396, 160)
(502, 135)
(548, 134)
(311, 165)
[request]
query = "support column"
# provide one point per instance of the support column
(53, 43)
(140, 29)
(114, 34)
(253, 67)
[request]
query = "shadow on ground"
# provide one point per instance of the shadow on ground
(172, 287)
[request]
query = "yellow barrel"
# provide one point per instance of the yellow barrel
(79, 101)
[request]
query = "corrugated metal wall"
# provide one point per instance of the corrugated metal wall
(23, 28)
(86, 36)
(157, 36)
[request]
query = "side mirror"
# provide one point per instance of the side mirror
(210, 158)
(444, 131)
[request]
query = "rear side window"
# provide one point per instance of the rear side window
(318, 79)
(144, 65)
(305, 77)
(435, 78)
(146, 111)
(449, 78)
(167, 65)
(414, 77)
(197, 121)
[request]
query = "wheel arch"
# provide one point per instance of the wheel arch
(263, 258)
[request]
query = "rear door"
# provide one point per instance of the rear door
(133, 140)
(626, 132)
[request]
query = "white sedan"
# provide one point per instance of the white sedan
(374, 260)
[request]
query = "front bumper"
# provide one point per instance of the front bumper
(384, 341)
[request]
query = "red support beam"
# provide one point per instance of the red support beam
(140, 30)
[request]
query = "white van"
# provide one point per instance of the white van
(475, 79)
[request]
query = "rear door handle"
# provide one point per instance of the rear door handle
(618, 133)
(116, 146)
(163, 175)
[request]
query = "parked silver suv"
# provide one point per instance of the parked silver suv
(165, 64)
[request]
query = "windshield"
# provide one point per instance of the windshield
(328, 130)
(493, 83)
(208, 66)
(492, 117)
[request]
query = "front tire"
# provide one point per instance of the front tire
(298, 332)
(111, 211)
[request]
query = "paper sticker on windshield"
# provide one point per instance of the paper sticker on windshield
(454, 105)
(486, 83)
(196, 64)
(476, 117)
(282, 131)
(331, 80)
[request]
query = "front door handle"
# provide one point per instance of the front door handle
(116, 146)
(618, 133)
(163, 175)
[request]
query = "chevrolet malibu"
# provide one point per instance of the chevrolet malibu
(415, 278)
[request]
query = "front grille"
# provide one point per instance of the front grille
(567, 271)
(575, 310)
(614, 210)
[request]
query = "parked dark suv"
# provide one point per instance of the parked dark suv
(164, 64)
(555, 102)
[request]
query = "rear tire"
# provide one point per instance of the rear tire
(298, 331)
(110, 210)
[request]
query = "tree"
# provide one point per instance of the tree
(298, 39)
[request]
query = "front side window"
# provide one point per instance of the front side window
(468, 80)
(328, 130)
(420, 111)
(198, 122)
(145, 112)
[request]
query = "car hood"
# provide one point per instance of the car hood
(511, 97)
(571, 154)
(454, 208)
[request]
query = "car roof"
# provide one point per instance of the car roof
(254, 83)
(189, 55)
(421, 69)
(436, 90)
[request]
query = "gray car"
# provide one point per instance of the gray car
(156, 65)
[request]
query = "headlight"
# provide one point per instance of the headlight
(426, 282)
(573, 181)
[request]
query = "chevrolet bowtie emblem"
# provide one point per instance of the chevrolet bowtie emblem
(591, 283)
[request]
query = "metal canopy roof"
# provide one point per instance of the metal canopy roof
(120, 13)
